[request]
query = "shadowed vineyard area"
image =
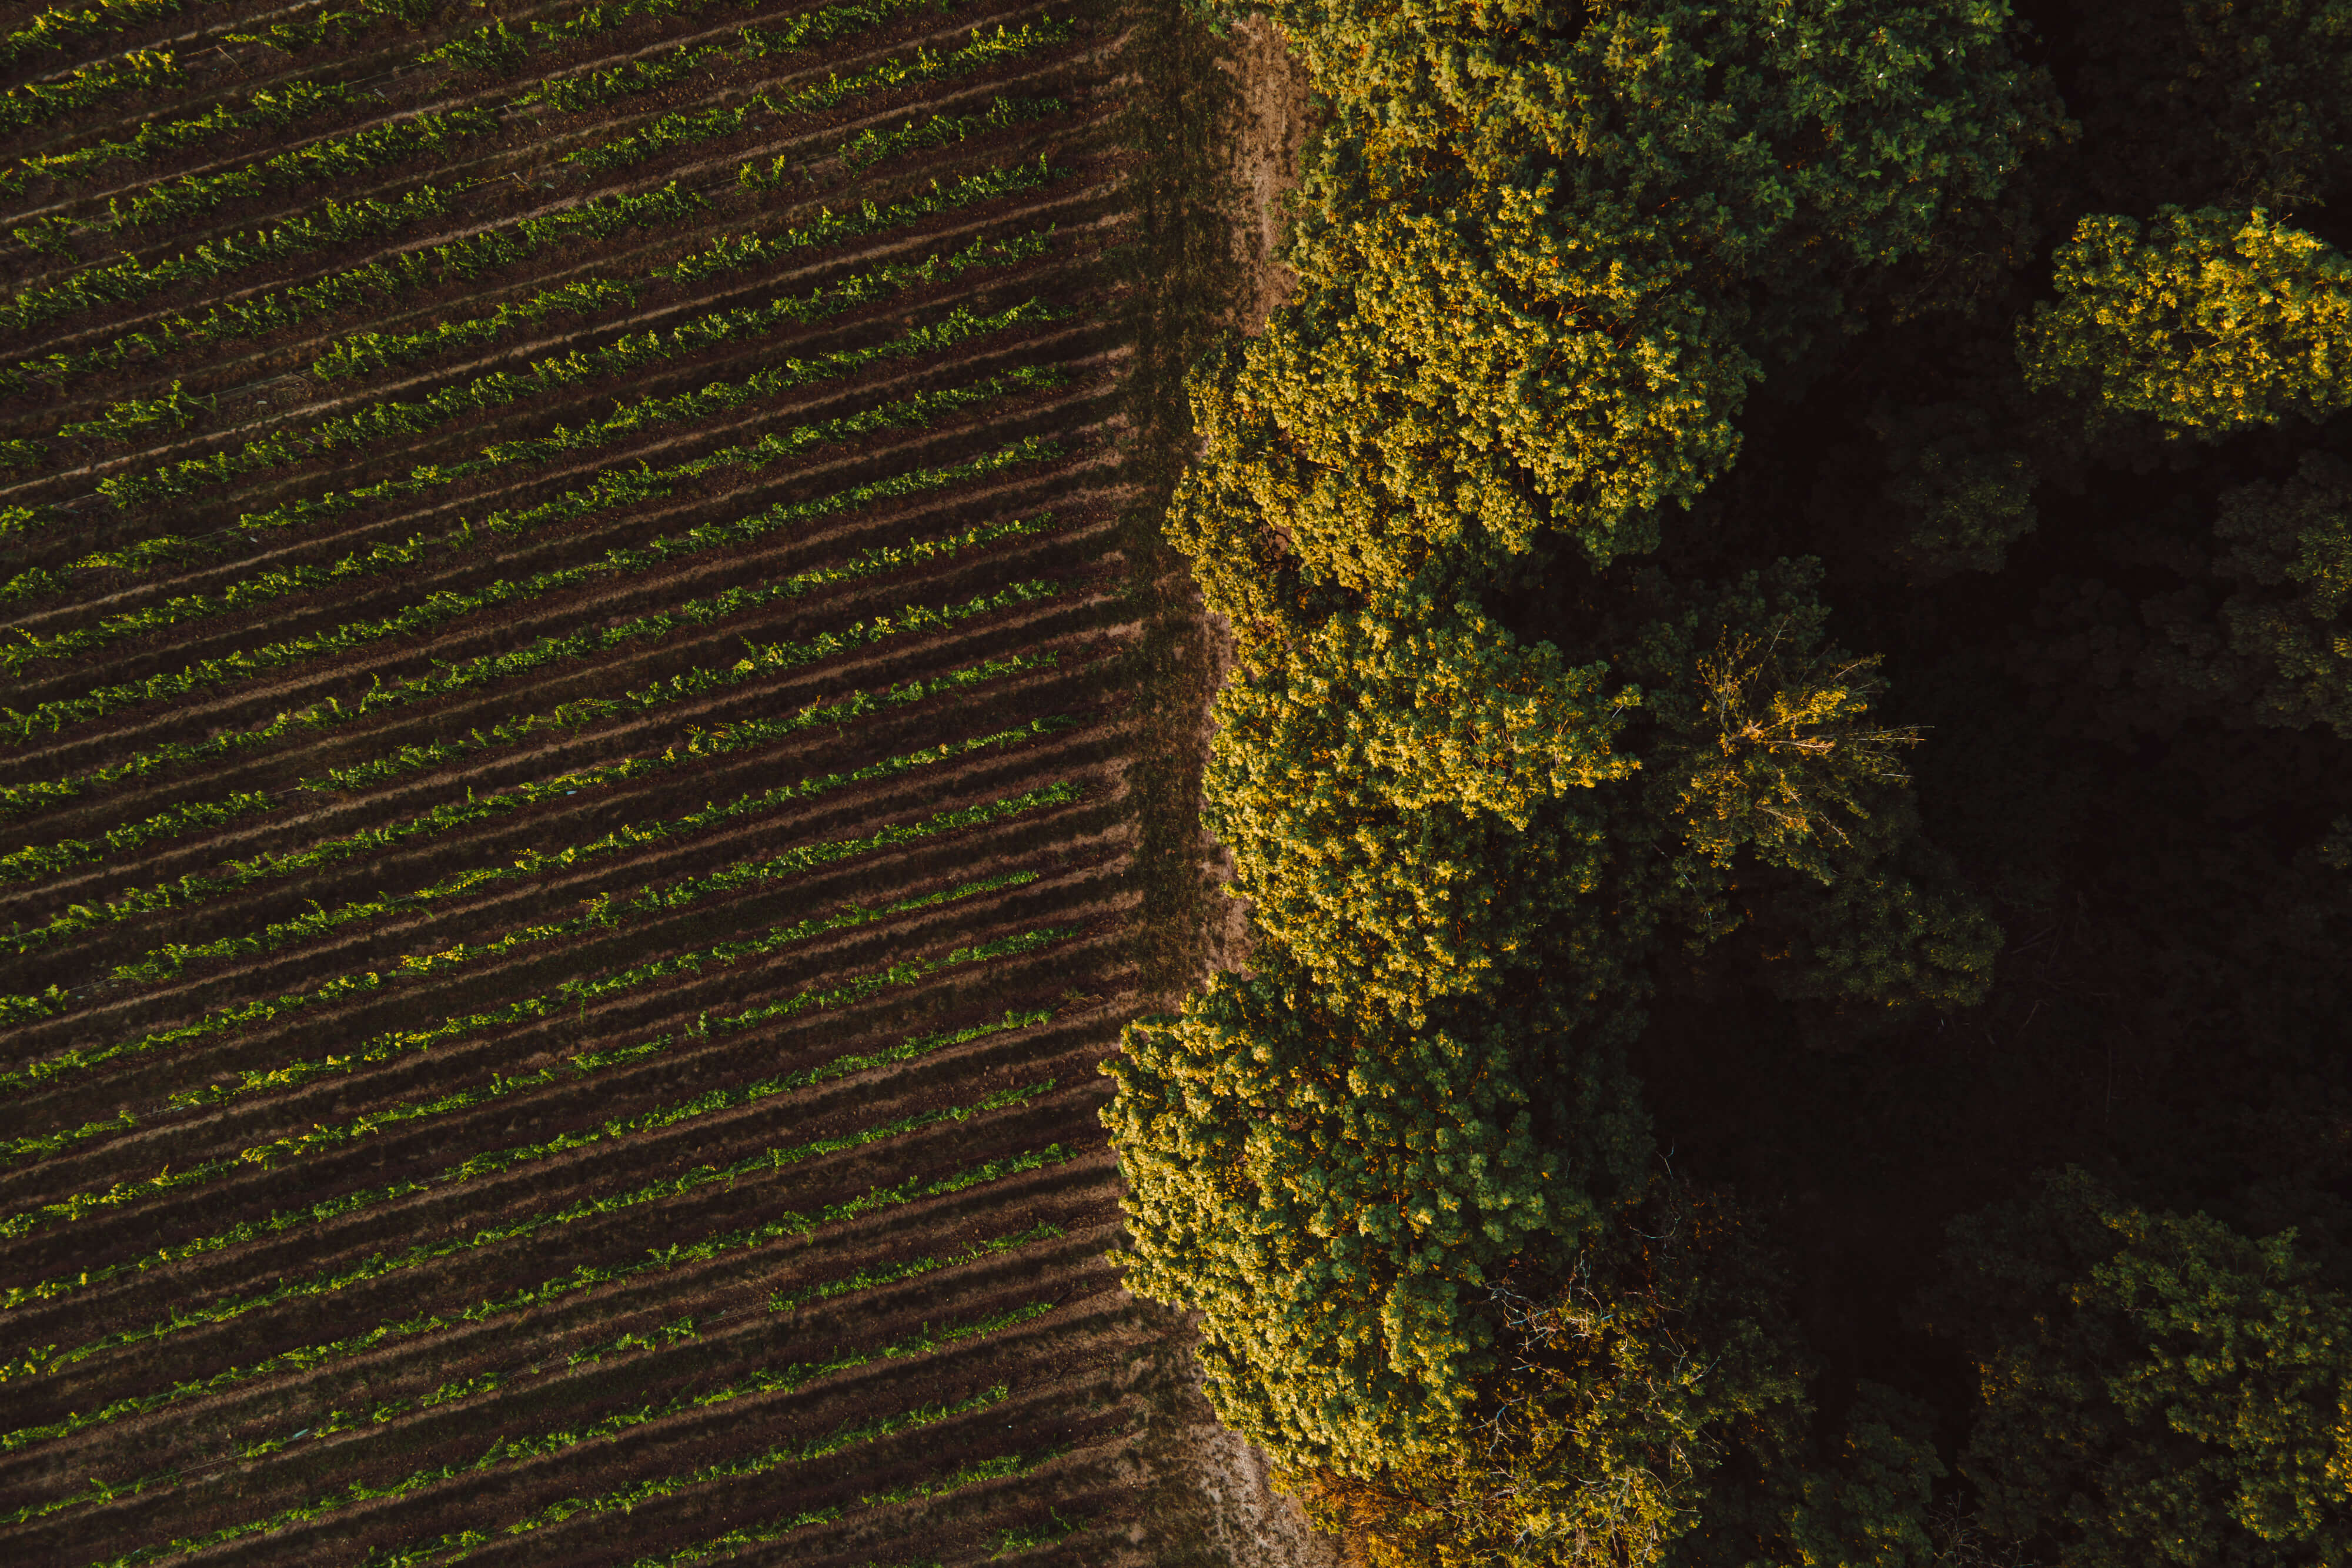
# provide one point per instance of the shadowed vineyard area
(595, 717)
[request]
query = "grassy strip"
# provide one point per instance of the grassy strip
(494, 249)
(173, 959)
(373, 351)
(462, 1545)
(661, 1338)
(870, 147)
(1022, 1538)
(962, 1477)
(667, 1335)
(61, 27)
(273, 109)
(96, 1491)
(587, 89)
(386, 1047)
(918, 411)
(679, 1331)
(171, 550)
(602, 914)
(130, 279)
(760, 660)
(499, 50)
(38, 102)
(581, 1277)
(685, 129)
(461, 260)
(368, 351)
(24, 1010)
(497, 1161)
(321, 1138)
(197, 886)
(953, 330)
(140, 69)
(890, 1274)
(508, 1451)
(809, 29)
(383, 421)
(383, 1047)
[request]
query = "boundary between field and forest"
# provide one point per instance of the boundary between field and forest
(197, 1301)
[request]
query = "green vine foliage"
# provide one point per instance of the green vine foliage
(1544, 256)
(2157, 1388)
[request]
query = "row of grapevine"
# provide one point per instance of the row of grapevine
(331, 222)
(762, 661)
(282, 105)
(340, 849)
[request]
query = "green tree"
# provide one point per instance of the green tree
(1653, 1405)
(1621, 1389)
(2203, 321)
(1392, 788)
(1545, 252)
(2290, 550)
(1460, 877)
(1962, 487)
(2257, 632)
(1419, 806)
(1767, 746)
(1332, 1196)
(2235, 102)
(2157, 1388)
(1859, 1499)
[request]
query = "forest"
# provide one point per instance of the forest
(1787, 762)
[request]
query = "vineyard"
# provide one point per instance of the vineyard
(590, 716)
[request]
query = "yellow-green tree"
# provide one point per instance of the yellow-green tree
(2204, 321)
(1651, 1406)
(1767, 752)
(1395, 786)
(1334, 1195)
(2245, 102)
(1460, 875)
(1546, 250)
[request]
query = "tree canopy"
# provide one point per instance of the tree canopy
(2157, 1387)
(1544, 253)
(1789, 571)
(2204, 321)
(1330, 1193)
